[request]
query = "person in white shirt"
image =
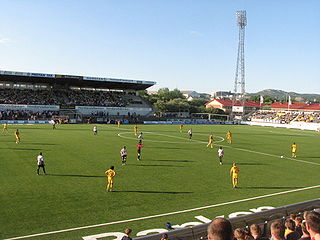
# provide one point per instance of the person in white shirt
(40, 164)
(140, 137)
(95, 130)
(123, 153)
(190, 133)
(220, 154)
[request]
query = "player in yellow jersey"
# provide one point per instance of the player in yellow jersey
(17, 135)
(118, 124)
(234, 174)
(181, 127)
(110, 174)
(229, 137)
(294, 150)
(210, 141)
(5, 128)
(135, 130)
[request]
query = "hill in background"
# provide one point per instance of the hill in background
(281, 95)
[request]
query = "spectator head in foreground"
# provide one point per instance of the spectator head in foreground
(313, 224)
(255, 231)
(220, 229)
(305, 233)
(277, 230)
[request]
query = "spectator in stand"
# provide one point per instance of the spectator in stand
(298, 222)
(277, 231)
(164, 237)
(290, 232)
(240, 234)
(220, 229)
(127, 232)
(313, 224)
(305, 233)
(256, 232)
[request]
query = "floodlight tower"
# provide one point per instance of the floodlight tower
(239, 83)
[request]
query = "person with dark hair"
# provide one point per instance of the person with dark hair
(294, 150)
(290, 232)
(110, 174)
(240, 234)
(124, 154)
(40, 163)
(220, 154)
(256, 232)
(277, 231)
(313, 224)
(234, 173)
(220, 229)
(127, 232)
(164, 237)
(190, 133)
(298, 222)
(305, 233)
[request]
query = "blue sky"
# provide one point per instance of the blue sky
(184, 44)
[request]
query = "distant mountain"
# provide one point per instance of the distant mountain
(281, 95)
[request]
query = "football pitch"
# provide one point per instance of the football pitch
(175, 174)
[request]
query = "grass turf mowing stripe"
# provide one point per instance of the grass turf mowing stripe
(164, 214)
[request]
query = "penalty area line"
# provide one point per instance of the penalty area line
(163, 214)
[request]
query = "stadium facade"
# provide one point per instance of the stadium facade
(72, 96)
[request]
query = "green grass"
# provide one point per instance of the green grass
(174, 174)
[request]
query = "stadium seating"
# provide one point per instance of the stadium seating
(263, 219)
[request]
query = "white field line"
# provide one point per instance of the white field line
(164, 214)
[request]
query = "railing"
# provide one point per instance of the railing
(261, 218)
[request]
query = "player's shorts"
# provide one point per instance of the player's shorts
(139, 151)
(110, 180)
(235, 176)
(124, 157)
(41, 165)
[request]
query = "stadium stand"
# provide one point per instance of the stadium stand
(263, 219)
(34, 96)
(285, 117)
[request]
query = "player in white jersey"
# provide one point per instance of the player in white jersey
(140, 137)
(220, 154)
(190, 133)
(40, 164)
(95, 130)
(123, 153)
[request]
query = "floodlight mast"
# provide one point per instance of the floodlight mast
(239, 83)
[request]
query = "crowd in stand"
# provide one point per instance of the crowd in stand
(285, 116)
(293, 228)
(26, 115)
(63, 97)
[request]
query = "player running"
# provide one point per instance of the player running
(124, 154)
(17, 135)
(110, 174)
(135, 130)
(220, 154)
(5, 128)
(95, 130)
(294, 150)
(210, 141)
(140, 137)
(234, 173)
(139, 146)
(181, 127)
(190, 133)
(229, 137)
